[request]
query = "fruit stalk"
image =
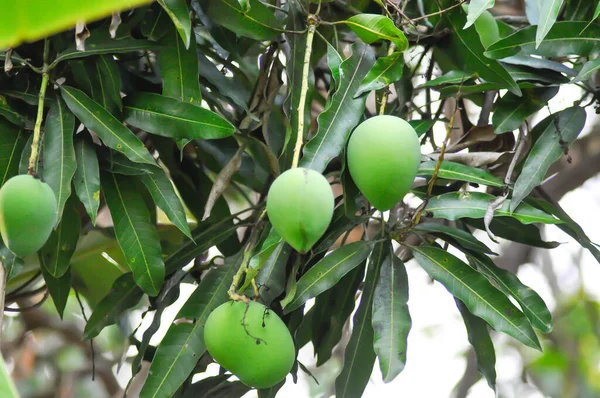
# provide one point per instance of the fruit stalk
(386, 91)
(312, 27)
(37, 131)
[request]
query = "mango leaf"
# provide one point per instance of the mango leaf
(230, 87)
(99, 78)
(97, 45)
(183, 344)
(587, 72)
(508, 283)
(469, 52)
(386, 71)
(454, 236)
(373, 27)
(170, 117)
(539, 63)
(452, 77)
(331, 311)
(24, 24)
(548, 13)
(422, 126)
(342, 113)
(511, 229)
(565, 38)
(258, 23)
(155, 23)
(59, 154)
(548, 148)
(460, 172)
(12, 264)
(271, 277)
(455, 205)
(12, 143)
(596, 15)
(163, 193)
(476, 8)
(87, 177)
(179, 68)
(270, 392)
(24, 160)
(391, 318)
(116, 162)
(511, 111)
(327, 272)
(110, 130)
(479, 337)
(135, 233)
(11, 115)
(7, 385)
(180, 15)
(58, 288)
(480, 297)
(123, 295)
(55, 255)
(359, 355)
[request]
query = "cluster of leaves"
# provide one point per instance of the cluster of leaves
(184, 115)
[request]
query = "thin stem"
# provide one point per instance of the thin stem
(312, 26)
(37, 131)
(435, 13)
(386, 90)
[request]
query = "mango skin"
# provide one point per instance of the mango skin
(486, 26)
(383, 159)
(28, 210)
(300, 206)
(261, 354)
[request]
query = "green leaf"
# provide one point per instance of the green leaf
(87, 177)
(97, 45)
(508, 283)
(460, 172)
(11, 115)
(373, 27)
(180, 15)
(55, 255)
(59, 288)
(164, 195)
(12, 143)
(230, 87)
(359, 355)
(331, 311)
(327, 272)
(587, 72)
(511, 229)
(564, 39)
(468, 51)
(455, 205)
(479, 337)
(386, 71)
(342, 113)
(476, 8)
(99, 78)
(270, 392)
(422, 126)
(43, 19)
(548, 148)
(135, 233)
(452, 77)
(511, 111)
(596, 15)
(118, 163)
(391, 318)
(271, 277)
(549, 11)
(481, 298)
(24, 160)
(454, 236)
(170, 117)
(7, 385)
(12, 264)
(183, 345)
(110, 130)
(258, 23)
(123, 295)
(179, 68)
(59, 154)
(539, 63)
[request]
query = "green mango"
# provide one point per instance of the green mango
(251, 342)
(28, 211)
(300, 207)
(383, 159)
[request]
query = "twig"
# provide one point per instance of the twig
(37, 131)
(312, 26)
(435, 13)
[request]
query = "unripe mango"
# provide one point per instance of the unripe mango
(27, 214)
(251, 342)
(300, 207)
(383, 159)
